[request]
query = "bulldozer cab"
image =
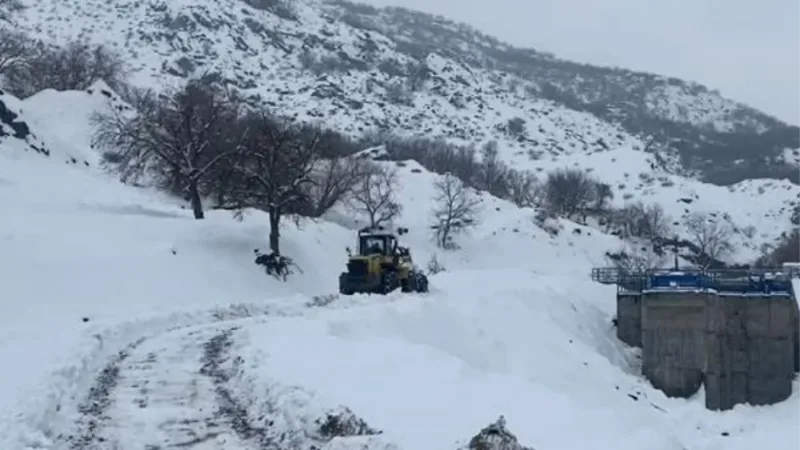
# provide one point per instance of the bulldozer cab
(371, 243)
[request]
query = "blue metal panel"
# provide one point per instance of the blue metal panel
(745, 281)
(679, 280)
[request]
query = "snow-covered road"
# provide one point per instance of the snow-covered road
(175, 390)
(163, 392)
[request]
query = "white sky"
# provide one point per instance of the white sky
(748, 49)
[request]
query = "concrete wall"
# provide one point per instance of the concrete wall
(743, 348)
(629, 318)
(673, 341)
(796, 322)
(750, 350)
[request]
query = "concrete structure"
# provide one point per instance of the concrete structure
(750, 349)
(674, 340)
(796, 291)
(738, 336)
(629, 318)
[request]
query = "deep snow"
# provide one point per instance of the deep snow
(513, 326)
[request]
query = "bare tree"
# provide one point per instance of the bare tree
(523, 188)
(638, 220)
(711, 237)
(178, 138)
(276, 170)
(436, 155)
(569, 192)
(336, 174)
(374, 195)
(602, 198)
(637, 259)
(14, 46)
(72, 67)
(333, 182)
(455, 211)
(418, 73)
(788, 250)
(221, 180)
(492, 169)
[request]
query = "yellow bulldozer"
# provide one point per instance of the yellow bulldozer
(380, 265)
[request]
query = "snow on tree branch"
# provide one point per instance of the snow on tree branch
(375, 197)
(455, 211)
(177, 138)
(711, 236)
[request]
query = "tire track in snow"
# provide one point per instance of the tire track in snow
(93, 411)
(167, 392)
(216, 351)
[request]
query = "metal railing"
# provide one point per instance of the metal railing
(761, 280)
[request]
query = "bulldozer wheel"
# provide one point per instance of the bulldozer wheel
(343, 286)
(421, 283)
(408, 284)
(389, 282)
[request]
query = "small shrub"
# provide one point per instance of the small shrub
(319, 301)
(276, 265)
(434, 266)
(397, 93)
(515, 127)
(281, 8)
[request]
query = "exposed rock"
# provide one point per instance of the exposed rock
(344, 423)
(495, 437)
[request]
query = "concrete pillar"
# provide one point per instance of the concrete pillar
(727, 358)
(796, 324)
(750, 350)
(629, 318)
(674, 340)
(771, 329)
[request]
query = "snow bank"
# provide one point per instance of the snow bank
(539, 350)
(430, 382)
(63, 118)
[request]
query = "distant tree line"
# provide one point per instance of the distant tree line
(28, 66)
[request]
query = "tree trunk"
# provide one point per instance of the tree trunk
(274, 230)
(197, 203)
(444, 233)
(222, 188)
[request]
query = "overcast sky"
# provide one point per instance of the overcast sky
(748, 49)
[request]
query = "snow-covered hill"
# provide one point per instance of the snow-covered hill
(97, 273)
(125, 319)
(363, 69)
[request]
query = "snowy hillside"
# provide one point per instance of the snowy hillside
(758, 210)
(126, 320)
(365, 69)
